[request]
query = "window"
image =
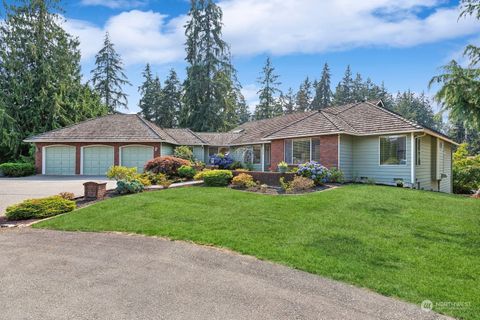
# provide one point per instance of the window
(257, 154)
(267, 155)
(302, 150)
(393, 150)
(212, 151)
(418, 144)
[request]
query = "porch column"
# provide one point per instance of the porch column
(262, 156)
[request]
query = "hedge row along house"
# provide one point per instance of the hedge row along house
(364, 140)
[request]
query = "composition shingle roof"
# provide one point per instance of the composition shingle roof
(363, 118)
(113, 128)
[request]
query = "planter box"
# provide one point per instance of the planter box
(269, 178)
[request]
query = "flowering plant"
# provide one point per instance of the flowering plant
(314, 171)
(221, 160)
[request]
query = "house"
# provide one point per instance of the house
(364, 140)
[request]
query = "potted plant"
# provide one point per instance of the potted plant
(282, 167)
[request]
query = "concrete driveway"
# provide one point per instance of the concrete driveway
(15, 190)
(64, 275)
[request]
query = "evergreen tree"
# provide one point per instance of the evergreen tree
(108, 77)
(147, 101)
(343, 92)
(171, 101)
(268, 106)
(416, 108)
(323, 91)
(287, 101)
(243, 113)
(40, 80)
(210, 87)
(359, 90)
(304, 96)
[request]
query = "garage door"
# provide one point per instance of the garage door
(136, 156)
(97, 160)
(60, 160)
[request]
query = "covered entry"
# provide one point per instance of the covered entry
(135, 156)
(59, 160)
(97, 160)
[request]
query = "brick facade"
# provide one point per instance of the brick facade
(78, 145)
(328, 151)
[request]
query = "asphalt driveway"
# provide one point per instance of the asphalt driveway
(64, 275)
(14, 190)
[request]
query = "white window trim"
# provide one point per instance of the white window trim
(94, 145)
(285, 148)
(379, 151)
(44, 158)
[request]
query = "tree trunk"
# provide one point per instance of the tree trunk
(477, 194)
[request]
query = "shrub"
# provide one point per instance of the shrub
(243, 180)
(183, 152)
(199, 165)
(17, 169)
(236, 165)
(199, 175)
(40, 208)
(298, 184)
(121, 173)
(315, 171)
(143, 180)
(129, 186)
(466, 171)
(282, 166)
(186, 172)
(67, 195)
(167, 165)
(217, 178)
(221, 160)
(152, 177)
(335, 175)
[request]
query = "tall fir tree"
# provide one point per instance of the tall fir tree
(210, 74)
(416, 107)
(287, 101)
(303, 98)
(359, 90)
(108, 77)
(323, 90)
(40, 79)
(343, 91)
(148, 95)
(171, 102)
(243, 112)
(268, 106)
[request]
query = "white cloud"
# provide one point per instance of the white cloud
(115, 4)
(281, 27)
(251, 97)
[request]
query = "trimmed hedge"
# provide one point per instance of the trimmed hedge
(217, 178)
(39, 208)
(17, 169)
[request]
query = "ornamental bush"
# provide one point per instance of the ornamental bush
(167, 165)
(466, 171)
(298, 184)
(243, 180)
(315, 171)
(217, 178)
(186, 172)
(200, 174)
(184, 152)
(129, 186)
(121, 173)
(17, 169)
(39, 208)
(223, 161)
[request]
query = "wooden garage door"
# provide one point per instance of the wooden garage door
(136, 156)
(60, 160)
(97, 160)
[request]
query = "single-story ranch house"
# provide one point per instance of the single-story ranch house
(364, 140)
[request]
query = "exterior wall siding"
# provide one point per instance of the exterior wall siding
(366, 162)
(198, 153)
(423, 172)
(446, 170)
(78, 145)
(167, 149)
(346, 156)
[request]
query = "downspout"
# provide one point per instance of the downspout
(338, 152)
(412, 160)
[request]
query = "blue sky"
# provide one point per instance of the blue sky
(402, 43)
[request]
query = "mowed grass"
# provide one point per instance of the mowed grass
(415, 245)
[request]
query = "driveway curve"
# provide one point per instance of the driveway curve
(66, 275)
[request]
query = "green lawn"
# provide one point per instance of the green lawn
(410, 244)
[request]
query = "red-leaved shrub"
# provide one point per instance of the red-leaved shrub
(167, 165)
